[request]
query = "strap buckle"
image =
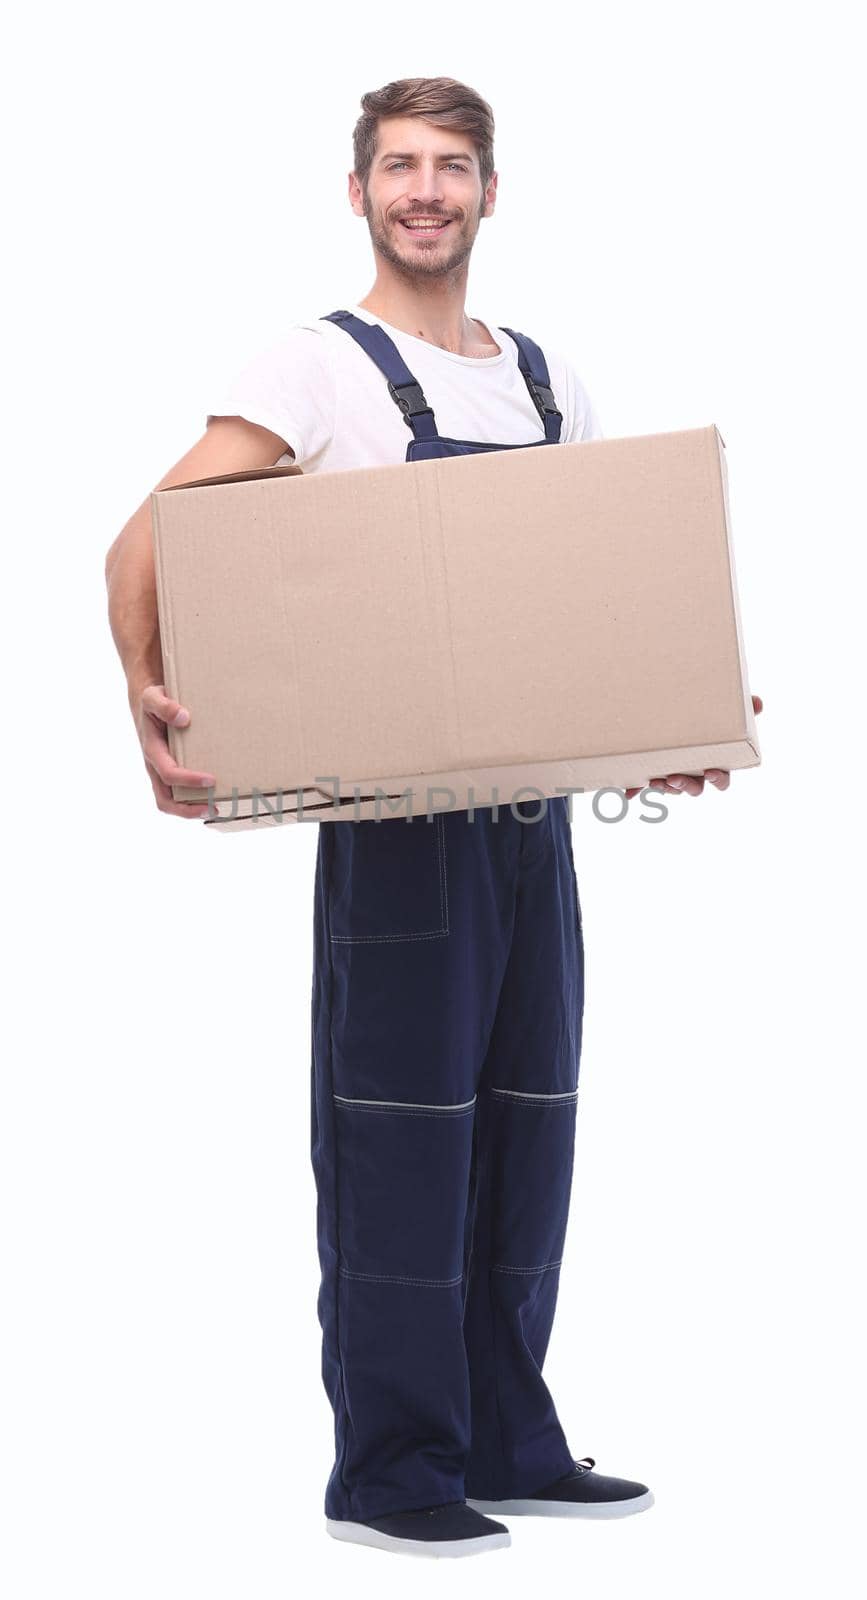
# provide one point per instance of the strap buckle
(410, 398)
(543, 398)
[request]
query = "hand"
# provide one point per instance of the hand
(152, 710)
(683, 783)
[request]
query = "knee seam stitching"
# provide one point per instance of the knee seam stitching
(385, 938)
(527, 1094)
(382, 1277)
(546, 1266)
(444, 1114)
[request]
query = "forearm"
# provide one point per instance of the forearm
(132, 603)
(230, 444)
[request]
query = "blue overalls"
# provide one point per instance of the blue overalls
(447, 1007)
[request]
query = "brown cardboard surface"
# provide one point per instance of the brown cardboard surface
(546, 617)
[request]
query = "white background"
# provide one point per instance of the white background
(679, 198)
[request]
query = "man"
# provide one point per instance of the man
(448, 968)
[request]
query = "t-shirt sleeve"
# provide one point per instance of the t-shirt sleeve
(290, 388)
(585, 422)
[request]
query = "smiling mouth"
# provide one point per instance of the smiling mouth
(425, 230)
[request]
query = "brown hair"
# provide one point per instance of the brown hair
(443, 101)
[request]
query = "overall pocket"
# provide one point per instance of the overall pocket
(402, 1180)
(388, 881)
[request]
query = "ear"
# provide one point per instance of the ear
(491, 196)
(356, 195)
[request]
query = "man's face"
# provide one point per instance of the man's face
(420, 171)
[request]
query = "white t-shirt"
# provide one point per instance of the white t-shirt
(317, 389)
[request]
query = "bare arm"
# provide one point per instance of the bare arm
(230, 444)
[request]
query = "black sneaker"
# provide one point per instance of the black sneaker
(582, 1493)
(450, 1530)
(435, 1530)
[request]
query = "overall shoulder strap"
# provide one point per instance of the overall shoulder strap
(537, 378)
(406, 393)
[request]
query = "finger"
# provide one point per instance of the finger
(685, 783)
(657, 785)
(718, 777)
(160, 759)
(157, 703)
(155, 747)
(175, 808)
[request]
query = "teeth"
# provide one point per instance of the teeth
(428, 225)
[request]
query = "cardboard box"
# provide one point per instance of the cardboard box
(492, 625)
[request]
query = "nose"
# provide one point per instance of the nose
(426, 185)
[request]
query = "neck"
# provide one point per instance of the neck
(435, 313)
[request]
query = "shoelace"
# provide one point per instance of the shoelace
(585, 1464)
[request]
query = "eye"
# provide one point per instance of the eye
(458, 165)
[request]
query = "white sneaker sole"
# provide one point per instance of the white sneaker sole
(598, 1510)
(359, 1533)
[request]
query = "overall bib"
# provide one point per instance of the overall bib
(447, 1007)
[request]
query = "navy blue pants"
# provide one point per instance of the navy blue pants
(448, 996)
